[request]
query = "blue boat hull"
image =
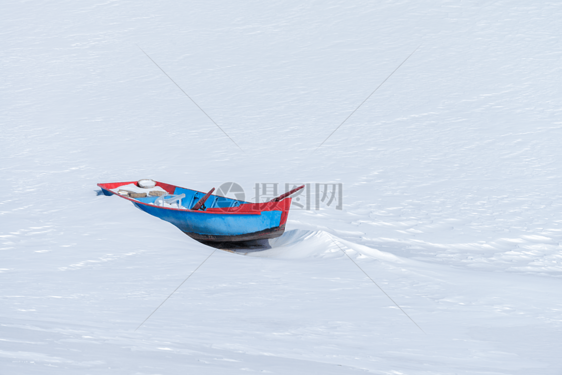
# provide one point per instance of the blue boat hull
(221, 227)
(221, 220)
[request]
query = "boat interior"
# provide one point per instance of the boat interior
(187, 198)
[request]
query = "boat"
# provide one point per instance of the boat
(203, 216)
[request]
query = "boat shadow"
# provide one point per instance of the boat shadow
(240, 247)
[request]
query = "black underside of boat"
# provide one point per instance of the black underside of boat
(261, 235)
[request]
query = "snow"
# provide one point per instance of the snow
(451, 174)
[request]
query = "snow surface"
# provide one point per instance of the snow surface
(451, 173)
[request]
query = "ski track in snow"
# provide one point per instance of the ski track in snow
(451, 175)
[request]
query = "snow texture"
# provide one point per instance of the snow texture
(451, 178)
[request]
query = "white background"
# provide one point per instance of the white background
(451, 174)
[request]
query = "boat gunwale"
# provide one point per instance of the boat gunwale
(256, 212)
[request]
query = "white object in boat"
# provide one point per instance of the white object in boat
(147, 183)
(167, 202)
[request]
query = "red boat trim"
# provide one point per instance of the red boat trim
(244, 209)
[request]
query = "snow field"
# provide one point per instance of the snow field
(451, 176)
